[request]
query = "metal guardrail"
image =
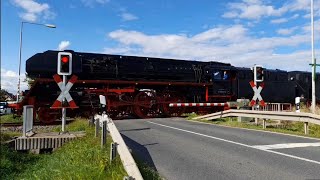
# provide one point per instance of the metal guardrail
(125, 155)
(306, 118)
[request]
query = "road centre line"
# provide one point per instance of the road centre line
(287, 145)
(237, 143)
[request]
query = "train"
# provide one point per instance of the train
(145, 87)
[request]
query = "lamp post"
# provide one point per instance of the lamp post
(21, 27)
(313, 65)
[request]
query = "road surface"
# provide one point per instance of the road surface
(180, 149)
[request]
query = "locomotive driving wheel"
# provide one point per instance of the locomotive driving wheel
(173, 98)
(146, 105)
(47, 115)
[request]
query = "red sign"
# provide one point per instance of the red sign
(64, 92)
(257, 95)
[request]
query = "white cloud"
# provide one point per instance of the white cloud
(295, 16)
(232, 44)
(102, 1)
(286, 31)
(9, 81)
(300, 5)
(231, 14)
(278, 21)
(128, 16)
(256, 9)
(63, 45)
(28, 17)
(283, 20)
(91, 3)
(252, 9)
(34, 10)
(232, 33)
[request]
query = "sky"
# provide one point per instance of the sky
(275, 34)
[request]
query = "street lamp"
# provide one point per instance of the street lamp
(21, 27)
(313, 65)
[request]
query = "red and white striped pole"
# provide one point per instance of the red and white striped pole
(197, 104)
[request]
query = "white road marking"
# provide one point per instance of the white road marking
(237, 143)
(258, 130)
(288, 145)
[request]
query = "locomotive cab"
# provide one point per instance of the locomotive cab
(223, 83)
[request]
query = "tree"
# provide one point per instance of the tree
(5, 95)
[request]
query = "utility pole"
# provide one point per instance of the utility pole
(313, 105)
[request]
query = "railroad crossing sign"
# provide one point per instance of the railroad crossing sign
(257, 95)
(64, 92)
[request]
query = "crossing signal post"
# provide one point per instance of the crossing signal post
(258, 76)
(64, 68)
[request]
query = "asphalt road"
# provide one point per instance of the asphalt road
(180, 149)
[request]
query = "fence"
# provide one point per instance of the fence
(277, 107)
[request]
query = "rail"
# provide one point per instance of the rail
(306, 118)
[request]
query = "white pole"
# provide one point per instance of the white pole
(297, 102)
(20, 48)
(313, 105)
(64, 109)
(255, 107)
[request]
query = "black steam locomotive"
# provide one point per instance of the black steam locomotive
(146, 86)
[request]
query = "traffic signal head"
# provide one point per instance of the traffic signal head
(64, 63)
(258, 73)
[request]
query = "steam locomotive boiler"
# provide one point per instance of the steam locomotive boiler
(139, 86)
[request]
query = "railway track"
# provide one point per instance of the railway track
(37, 123)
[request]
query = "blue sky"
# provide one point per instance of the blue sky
(275, 34)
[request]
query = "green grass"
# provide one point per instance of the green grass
(6, 136)
(9, 118)
(296, 128)
(147, 172)
(191, 115)
(80, 159)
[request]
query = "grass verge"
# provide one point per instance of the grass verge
(295, 128)
(147, 172)
(80, 159)
(9, 118)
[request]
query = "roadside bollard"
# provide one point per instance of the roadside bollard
(103, 134)
(256, 108)
(297, 102)
(97, 127)
(113, 151)
(306, 128)
(91, 121)
(264, 124)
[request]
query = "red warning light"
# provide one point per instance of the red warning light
(64, 63)
(65, 59)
